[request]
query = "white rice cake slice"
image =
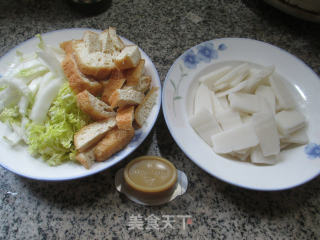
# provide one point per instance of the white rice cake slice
(235, 139)
(221, 87)
(229, 119)
(238, 79)
(202, 99)
(265, 107)
(231, 75)
(267, 93)
(224, 102)
(256, 77)
(219, 104)
(256, 156)
(298, 137)
(210, 78)
(205, 124)
(244, 102)
(241, 155)
(283, 95)
(234, 89)
(267, 133)
(289, 121)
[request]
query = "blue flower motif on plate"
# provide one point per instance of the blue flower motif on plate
(206, 52)
(190, 59)
(312, 150)
(222, 47)
(136, 137)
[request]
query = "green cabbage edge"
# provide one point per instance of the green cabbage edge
(53, 140)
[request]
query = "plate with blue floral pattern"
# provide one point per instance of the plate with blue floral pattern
(19, 160)
(297, 165)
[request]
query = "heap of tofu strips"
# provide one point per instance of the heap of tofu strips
(247, 113)
(108, 78)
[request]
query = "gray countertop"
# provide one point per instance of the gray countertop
(91, 208)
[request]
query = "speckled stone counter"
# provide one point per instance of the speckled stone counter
(91, 208)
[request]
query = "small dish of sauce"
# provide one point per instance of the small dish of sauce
(150, 175)
(151, 180)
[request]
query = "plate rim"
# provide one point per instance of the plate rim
(89, 173)
(294, 11)
(178, 141)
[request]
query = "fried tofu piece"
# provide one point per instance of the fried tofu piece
(86, 158)
(93, 106)
(125, 118)
(117, 74)
(111, 43)
(96, 64)
(91, 41)
(116, 81)
(129, 57)
(143, 84)
(78, 81)
(90, 134)
(123, 97)
(114, 141)
(133, 75)
(143, 110)
(67, 46)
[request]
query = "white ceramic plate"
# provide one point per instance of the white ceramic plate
(19, 161)
(297, 166)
